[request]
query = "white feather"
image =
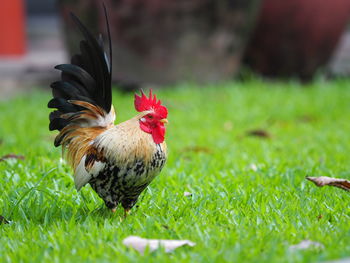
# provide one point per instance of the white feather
(101, 121)
(82, 176)
(97, 168)
(107, 120)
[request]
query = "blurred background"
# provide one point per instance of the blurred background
(163, 42)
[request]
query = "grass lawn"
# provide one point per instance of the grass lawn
(250, 198)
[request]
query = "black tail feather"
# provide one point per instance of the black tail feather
(73, 72)
(67, 90)
(109, 44)
(94, 53)
(87, 78)
(63, 105)
(58, 124)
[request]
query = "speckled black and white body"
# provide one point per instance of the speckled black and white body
(123, 184)
(122, 162)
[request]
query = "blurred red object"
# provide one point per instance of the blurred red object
(12, 31)
(296, 37)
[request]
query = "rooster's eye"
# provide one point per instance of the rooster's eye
(150, 116)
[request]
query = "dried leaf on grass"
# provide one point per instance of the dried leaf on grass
(3, 220)
(307, 244)
(197, 149)
(325, 180)
(259, 133)
(11, 156)
(140, 244)
(306, 118)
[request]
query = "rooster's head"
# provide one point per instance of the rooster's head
(154, 115)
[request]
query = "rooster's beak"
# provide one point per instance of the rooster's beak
(164, 121)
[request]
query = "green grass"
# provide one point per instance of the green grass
(236, 213)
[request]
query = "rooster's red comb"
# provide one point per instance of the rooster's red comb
(142, 103)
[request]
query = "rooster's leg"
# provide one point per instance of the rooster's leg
(126, 212)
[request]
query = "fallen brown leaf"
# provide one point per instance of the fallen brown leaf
(3, 220)
(307, 244)
(197, 149)
(325, 180)
(306, 118)
(11, 156)
(259, 133)
(140, 244)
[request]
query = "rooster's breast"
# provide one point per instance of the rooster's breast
(124, 182)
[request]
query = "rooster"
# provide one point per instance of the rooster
(118, 161)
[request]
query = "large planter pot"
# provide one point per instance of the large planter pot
(296, 37)
(166, 41)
